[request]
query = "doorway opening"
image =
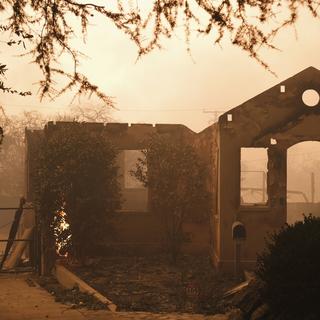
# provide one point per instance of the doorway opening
(303, 180)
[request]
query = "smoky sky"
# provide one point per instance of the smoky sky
(169, 85)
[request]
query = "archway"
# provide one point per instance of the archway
(303, 180)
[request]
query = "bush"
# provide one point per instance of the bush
(78, 176)
(177, 179)
(290, 270)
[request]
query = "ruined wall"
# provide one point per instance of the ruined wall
(206, 145)
(140, 233)
(135, 137)
(136, 229)
(275, 119)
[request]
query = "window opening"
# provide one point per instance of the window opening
(303, 179)
(253, 178)
(310, 98)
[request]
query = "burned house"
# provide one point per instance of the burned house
(265, 126)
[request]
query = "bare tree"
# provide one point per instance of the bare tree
(91, 113)
(48, 26)
(13, 149)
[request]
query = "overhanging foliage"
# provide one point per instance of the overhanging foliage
(46, 29)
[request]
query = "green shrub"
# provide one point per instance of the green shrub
(290, 270)
(77, 174)
(177, 179)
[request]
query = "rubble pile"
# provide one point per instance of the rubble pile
(152, 284)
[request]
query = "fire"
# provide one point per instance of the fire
(62, 233)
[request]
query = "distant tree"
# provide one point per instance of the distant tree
(77, 175)
(46, 28)
(89, 112)
(176, 178)
(12, 152)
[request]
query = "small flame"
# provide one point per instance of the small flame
(62, 233)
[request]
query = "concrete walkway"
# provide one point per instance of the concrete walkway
(20, 301)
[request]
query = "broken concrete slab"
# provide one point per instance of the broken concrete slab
(69, 280)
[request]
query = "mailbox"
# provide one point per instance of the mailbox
(239, 234)
(238, 231)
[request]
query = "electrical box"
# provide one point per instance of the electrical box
(238, 231)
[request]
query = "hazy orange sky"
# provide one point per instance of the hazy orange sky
(168, 86)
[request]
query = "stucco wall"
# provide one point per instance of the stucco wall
(136, 229)
(141, 233)
(274, 114)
